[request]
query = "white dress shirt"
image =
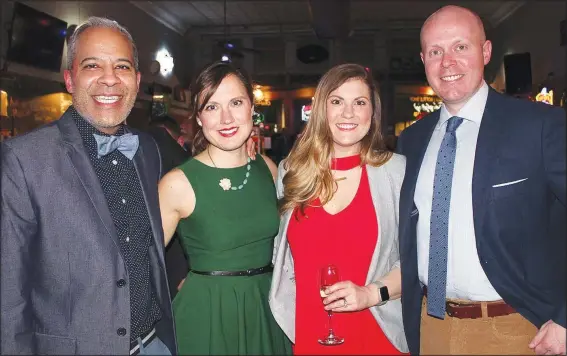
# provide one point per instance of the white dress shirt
(465, 277)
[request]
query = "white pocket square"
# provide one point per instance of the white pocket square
(508, 183)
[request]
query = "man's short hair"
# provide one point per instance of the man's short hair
(98, 22)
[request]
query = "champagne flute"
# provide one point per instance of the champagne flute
(328, 276)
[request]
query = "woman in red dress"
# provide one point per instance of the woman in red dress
(340, 191)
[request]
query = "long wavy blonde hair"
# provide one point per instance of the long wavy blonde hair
(308, 165)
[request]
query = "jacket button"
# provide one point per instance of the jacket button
(121, 331)
(120, 283)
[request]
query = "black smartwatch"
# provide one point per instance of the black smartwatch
(383, 291)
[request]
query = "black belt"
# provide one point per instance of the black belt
(248, 272)
(146, 339)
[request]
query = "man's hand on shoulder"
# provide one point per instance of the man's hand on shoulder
(549, 340)
(251, 146)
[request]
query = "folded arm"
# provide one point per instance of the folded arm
(346, 296)
(393, 281)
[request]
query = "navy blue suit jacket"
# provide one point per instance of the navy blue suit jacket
(519, 228)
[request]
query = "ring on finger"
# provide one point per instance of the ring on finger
(344, 303)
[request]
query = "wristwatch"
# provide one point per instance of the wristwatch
(383, 291)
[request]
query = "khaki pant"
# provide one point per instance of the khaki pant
(502, 335)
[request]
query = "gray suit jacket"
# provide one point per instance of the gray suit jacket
(385, 183)
(60, 256)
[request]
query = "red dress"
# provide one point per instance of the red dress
(346, 240)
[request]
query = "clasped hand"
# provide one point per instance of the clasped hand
(356, 297)
(550, 340)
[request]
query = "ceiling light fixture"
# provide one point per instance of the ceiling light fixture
(165, 60)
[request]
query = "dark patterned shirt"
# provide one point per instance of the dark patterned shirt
(123, 192)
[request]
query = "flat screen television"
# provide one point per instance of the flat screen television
(36, 38)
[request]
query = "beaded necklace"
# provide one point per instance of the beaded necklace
(225, 183)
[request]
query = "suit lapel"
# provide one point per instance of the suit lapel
(148, 177)
(416, 149)
(485, 157)
(420, 141)
(85, 171)
(152, 203)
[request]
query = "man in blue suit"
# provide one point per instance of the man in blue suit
(82, 255)
(482, 208)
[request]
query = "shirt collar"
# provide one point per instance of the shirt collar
(471, 111)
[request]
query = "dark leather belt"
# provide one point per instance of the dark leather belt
(473, 310)
(248, 272)
(146, 339)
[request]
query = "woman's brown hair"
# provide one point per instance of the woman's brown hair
(205, 86)
(308, 165)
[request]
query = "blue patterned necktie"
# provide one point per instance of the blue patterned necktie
(127, 144)
(439, 228)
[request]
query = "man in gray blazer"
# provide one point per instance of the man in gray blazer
(82, 252)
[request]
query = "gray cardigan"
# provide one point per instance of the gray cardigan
(385, 182)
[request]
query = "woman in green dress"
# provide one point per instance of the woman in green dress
(224, 208)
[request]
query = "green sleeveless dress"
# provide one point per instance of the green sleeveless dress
(229, 230)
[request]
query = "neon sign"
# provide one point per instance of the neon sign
(545, 97)
(305, 112)
(423, 105)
